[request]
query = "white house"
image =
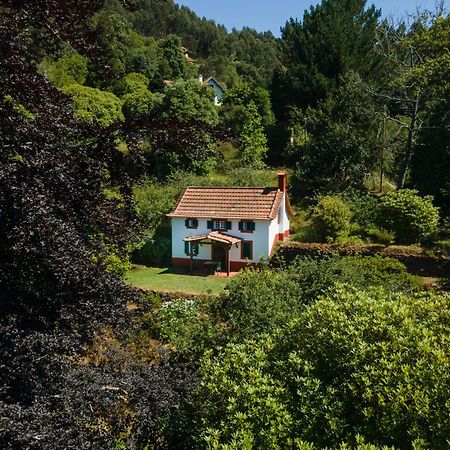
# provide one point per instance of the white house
(229, 227)
(219, 91)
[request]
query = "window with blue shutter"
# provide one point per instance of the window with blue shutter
(246, 226)
(191, 223)
(191, 247)
(210, 224)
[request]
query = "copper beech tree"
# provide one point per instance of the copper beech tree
(59, 232)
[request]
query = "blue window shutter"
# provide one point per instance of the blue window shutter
(209, 225)
(229, 225)
(186, 223)
(195, 223)
(195, 249)
(240, 226)
(252, 226)
(186, 247)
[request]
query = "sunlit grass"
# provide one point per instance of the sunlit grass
(174, 280)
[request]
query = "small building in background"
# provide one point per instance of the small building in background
(219, 90)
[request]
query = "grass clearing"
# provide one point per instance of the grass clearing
(175, 280)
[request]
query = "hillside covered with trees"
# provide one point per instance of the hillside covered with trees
(104, 121)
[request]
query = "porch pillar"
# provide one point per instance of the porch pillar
(228, 260)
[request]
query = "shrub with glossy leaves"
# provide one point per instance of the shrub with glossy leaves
(67, 70)
(354, 367)
(411, 217)
(95, 106)
(184, 325)
(331, 218)
(260, 301)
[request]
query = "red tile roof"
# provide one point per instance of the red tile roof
(255, 203)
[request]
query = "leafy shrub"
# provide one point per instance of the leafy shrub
(130, 83)
(411, 217)
(95, 106)
(70, 69)
(248, 176)
(380, 235)
(141, 103)
(381, 358)
(261, 301)
(353, 239)
(240, 403)
(362, 204)
(355, 367)
(185, 326)
(364, 272)
(155, 253)
(153, 201)
(331, 218)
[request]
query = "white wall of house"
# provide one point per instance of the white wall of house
(261, 237)
(283, 218)
(273, 233)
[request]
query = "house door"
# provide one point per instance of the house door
(219, 254)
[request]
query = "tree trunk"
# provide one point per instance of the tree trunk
(409, 146)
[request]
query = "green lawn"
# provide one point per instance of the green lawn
(174, 280)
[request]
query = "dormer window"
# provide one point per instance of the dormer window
(247, 226)
(191, 223)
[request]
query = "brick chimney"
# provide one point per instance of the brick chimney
(282, 181)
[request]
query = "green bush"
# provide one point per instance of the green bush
(153, 201)
(364, 272)
(141, 103)
(95, 106)
(331, 218)
(182, 324)
(155, 253)
(261, 301)
(72, 68)
(411, 217)
(355, 367)
(362, 204)
(379, 235)
(248, 176)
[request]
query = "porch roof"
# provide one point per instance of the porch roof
(215, 236)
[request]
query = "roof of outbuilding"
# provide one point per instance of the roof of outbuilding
(216, 236)
(258, 203)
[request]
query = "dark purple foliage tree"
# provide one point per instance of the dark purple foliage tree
(57, 227)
